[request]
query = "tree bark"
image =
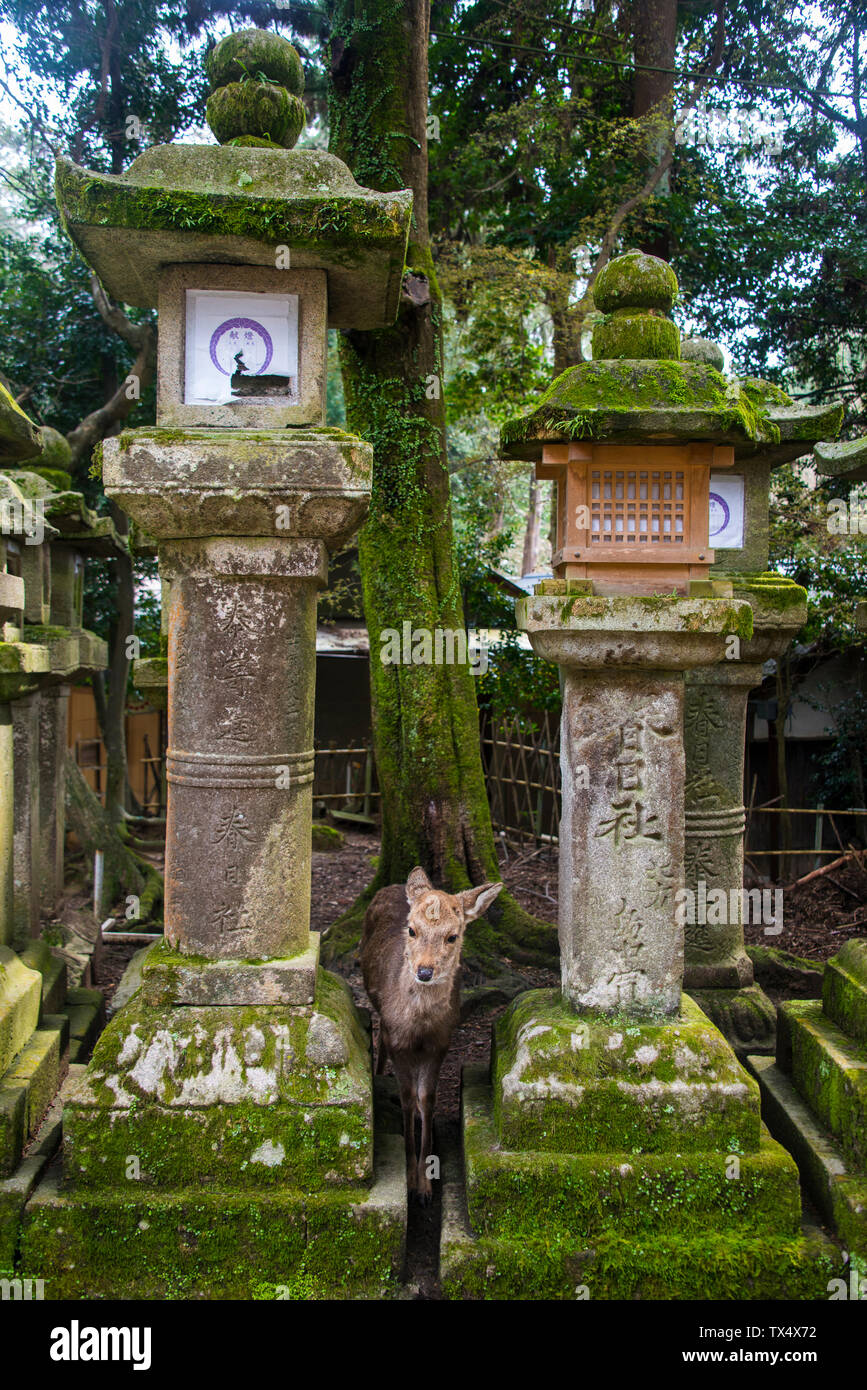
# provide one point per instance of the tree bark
(532, 532)
(425, 717)
(655, 45)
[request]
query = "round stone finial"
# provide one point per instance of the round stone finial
(635, 281)
(702, 350)
(256, 81)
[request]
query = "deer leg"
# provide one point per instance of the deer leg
(408, 1106)
(382, 1050)
(426, 1087)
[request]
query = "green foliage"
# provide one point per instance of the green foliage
(832, 568)
(516, 681)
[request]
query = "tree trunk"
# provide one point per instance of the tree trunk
(125, 873)
(654, 48)
(425, 718)
(531, 534)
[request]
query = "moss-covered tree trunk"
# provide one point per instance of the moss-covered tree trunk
(425, 718)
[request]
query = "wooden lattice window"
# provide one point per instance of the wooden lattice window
(638, 505)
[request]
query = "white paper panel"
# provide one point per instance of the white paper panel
(221, 325)
(726, 529)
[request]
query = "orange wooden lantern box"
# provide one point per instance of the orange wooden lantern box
(623, 507)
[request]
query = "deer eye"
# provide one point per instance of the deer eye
(411, 932)
(452, 938)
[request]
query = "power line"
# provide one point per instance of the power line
(717, 80)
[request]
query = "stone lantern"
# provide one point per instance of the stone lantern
(719, 973)
(617, 1084)
(240, 1074)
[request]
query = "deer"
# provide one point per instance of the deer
(410, 959)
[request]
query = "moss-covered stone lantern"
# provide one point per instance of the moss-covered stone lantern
(618, 1084)
(240, 1074)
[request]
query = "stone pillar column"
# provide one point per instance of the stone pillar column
(622, 759)
(714, 732)
(621, 840)
(53, 717)
(242, 661)
(718, 971)
(28, 875)
(7, 786)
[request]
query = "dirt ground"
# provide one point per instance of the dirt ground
(818, 917)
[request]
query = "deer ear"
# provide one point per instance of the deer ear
(417, 883)
(476, 901)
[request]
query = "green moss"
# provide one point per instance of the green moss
(844, 992)
(829, 1070)
(340, 225)
(635, 281)
(572, 1083)
(214, 1245)
(571, 1196)
(635, 336)
(256, 108)
(722, 1266)
(248, 54)
(616, 398)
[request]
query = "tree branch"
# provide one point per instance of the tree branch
(142, 337)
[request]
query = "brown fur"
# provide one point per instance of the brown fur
(417, 1018)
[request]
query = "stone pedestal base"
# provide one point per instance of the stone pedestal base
(221, 1150)
(816, 1094)
(621, 1159)
(746, 1017)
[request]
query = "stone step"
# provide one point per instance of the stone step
(85, 1009)
(26, 1091)
(38, 955)
(194, 1243)
(570, 1196)
(20, 996)
(15, 1190)
(829, 1070)
(844, 989)
(838, 1190)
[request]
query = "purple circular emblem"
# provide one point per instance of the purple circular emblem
(242, 336)
(718, 507)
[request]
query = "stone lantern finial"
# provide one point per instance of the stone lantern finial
(636, 293)
(256, 80)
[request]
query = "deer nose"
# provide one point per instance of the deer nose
(425, 973)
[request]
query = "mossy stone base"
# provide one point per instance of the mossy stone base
(844, 989)
(746, 1017)
(243, 1096)
(571, 1083)
(583, 1196)
(838, 1190)
(727, 1265)
(169, 977)
(829, 1069)
(220, 1244)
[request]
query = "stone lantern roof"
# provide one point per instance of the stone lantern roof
(240, 201)
(638, 387)
(842, 459)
